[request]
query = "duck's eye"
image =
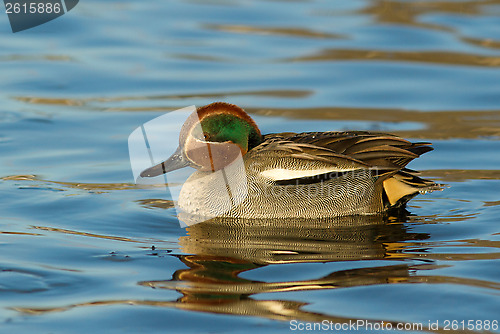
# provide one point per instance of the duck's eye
(207, 136)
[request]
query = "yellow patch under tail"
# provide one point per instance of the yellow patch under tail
(396, 189)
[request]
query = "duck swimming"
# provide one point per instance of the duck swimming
(241, 173)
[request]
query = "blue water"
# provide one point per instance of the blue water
(76, 233)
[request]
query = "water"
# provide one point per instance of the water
(76, 234)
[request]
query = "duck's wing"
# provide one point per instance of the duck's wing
(383, 155)
(289, 158)
(371, 148)
(286, 145)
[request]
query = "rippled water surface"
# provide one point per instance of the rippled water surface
(77, 236)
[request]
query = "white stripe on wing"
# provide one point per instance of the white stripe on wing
(279, 174)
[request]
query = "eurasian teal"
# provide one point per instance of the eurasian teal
(289, 175)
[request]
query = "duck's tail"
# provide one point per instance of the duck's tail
(404, 185)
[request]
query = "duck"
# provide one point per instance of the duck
(241, 173)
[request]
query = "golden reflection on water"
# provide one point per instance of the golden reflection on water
(84, 234)
(409, 13)
(84, 101)
(92, 187)
(432, 57)
(280, 31)
(406, 12)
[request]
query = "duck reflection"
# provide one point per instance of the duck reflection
(222, 249)
(297, 240)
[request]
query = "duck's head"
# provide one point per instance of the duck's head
(210, 139)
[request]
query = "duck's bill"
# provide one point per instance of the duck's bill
(176, 161)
